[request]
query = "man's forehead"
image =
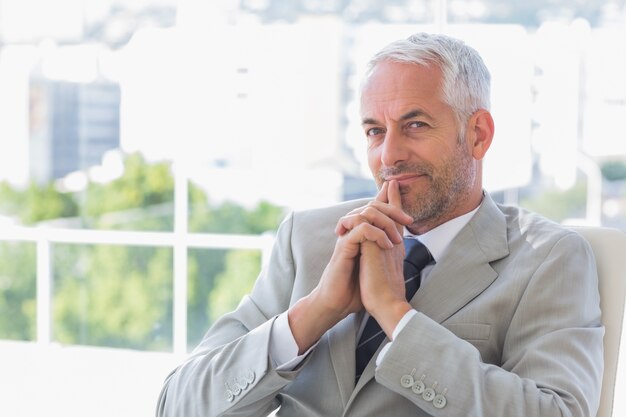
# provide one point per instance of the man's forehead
(401, 88)
(395, 78)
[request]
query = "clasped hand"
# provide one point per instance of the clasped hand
(366, 267)
(365, 271)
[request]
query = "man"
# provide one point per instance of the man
(506, 321)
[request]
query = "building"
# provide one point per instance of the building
(72, 125)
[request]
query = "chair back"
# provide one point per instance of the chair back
(609, 248)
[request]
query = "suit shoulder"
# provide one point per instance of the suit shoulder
(535, 228)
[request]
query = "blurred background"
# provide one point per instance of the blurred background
(149, 150)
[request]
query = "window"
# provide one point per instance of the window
(149, 149)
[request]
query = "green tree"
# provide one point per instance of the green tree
(36, 203)
(211, 289)
(141, 199)
(203, 266)
(17, 291)
(121, 296)
(10, 199)
(116, 296)
(242, 268)
(558, 205)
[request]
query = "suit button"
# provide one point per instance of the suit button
(407, 381)
(439, 401)
(235, 388)
(229, 395)
(418, 387)
(242, 382)
(250, 376)
(429, 393)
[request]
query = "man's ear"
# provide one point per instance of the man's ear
(481, 133)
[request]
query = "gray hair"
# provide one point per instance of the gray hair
(466, 79)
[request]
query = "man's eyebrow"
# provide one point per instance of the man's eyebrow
(415, 113)
(406, 116)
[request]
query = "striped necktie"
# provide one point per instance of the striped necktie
(416, 258)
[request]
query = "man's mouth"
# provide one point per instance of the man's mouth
(404, 179)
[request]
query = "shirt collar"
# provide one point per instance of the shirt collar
(438, 239)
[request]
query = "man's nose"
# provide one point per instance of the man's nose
(394, 148)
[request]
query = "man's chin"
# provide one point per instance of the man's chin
(419, 206)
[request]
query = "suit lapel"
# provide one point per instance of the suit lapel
(464, 270)
(451, 286)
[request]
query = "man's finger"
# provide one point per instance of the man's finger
(382, 193)
(387, 204)
(392, 211)
(367, 232)
(373, 216)
(393, 194)
(395, 199)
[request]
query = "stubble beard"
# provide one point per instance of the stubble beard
(448, 186)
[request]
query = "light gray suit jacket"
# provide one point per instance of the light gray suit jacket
(508, 325)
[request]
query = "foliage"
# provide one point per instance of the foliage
(9, 199)
(556, 204)
(121, 296)
(135, 200)
(36, 203)
(17, 291)
(238, 278)
(113, 296)
(207, 268)
(203, 266)
(232, 218)
(45, 203)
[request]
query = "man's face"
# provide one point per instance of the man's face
(414, 138)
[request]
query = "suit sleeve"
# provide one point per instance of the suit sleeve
(552, 358)
(230, 372)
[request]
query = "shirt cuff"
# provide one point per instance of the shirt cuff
(283, 348)
(399, 327)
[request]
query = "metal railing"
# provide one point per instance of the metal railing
(44, 238)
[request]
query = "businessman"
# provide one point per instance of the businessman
(429, 299)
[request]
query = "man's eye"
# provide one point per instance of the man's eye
(375, 131)
(416, 124)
